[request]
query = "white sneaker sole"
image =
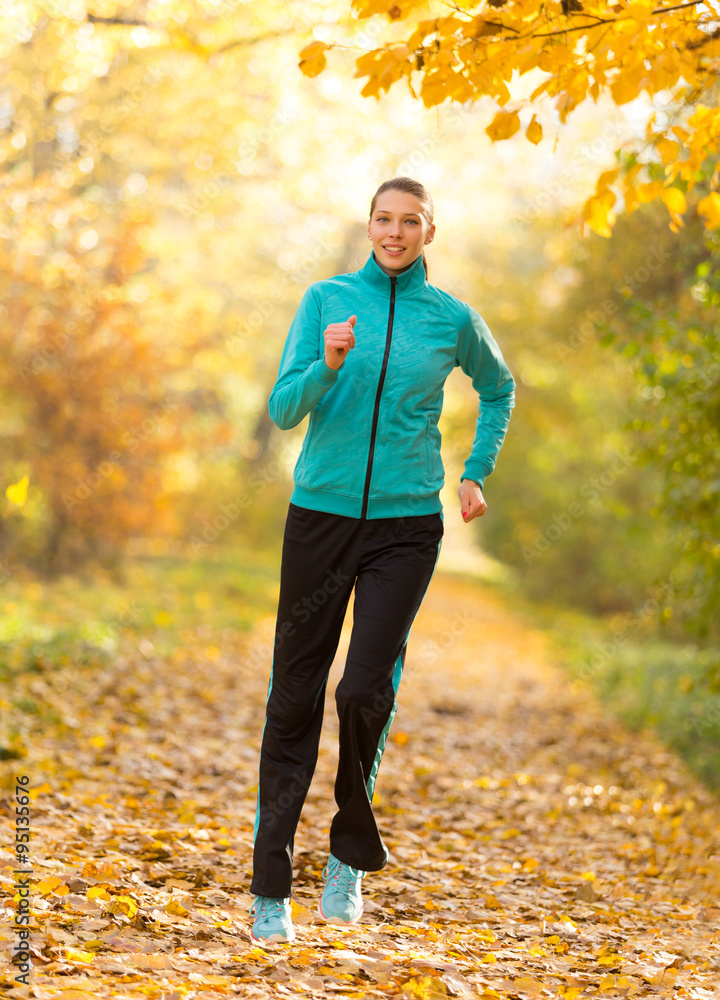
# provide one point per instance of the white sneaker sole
(338, 920)
(273, 941)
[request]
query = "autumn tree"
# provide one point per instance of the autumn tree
(578, 50)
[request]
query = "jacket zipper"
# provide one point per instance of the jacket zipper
(388, 339)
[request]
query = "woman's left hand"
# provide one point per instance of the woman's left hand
(472, 502)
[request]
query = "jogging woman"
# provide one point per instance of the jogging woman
(367, 356)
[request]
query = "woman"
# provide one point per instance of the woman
(366, 356)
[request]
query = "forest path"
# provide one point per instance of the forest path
(538, 849)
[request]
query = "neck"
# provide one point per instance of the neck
(392, 271)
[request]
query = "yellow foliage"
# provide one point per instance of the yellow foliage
(534, 131)
(646, 192)
(425, 987)
(709, 208)
(638, 10)
(668, 150)
(17, 492)
(503, 125)
(528, 985)
(312, 58)
(676, 203)
(98, 892)
(76, 955)
(605, 180)
(124, 906)
(394, 9)
(176, 909)
(640, 49)
(52, 885)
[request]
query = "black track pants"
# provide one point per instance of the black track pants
(390, 562)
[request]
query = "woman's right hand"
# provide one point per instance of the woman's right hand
(339, 339)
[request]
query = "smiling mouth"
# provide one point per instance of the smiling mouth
(394, 250)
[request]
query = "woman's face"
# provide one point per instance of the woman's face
(398, 229)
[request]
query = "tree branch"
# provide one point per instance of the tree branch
(131, 22)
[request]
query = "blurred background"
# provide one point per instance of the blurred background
(171, 184)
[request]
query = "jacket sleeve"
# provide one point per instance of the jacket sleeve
(479, 357)
(303, 377)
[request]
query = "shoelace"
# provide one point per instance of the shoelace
(343, 876)
(269, 907)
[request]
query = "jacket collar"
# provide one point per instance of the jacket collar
(406, 283)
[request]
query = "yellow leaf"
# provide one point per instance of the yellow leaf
(605, 180)
(598, 213)
(124, 906)
(478, 27)
(94, 944)
(99, 869)
(534, 133)
(527, 984)
(17, 493)
(176, 909)
(503, 125)
(312, 58)
(98, 892)
(624, 88)
(668, 150)
(639, 10)
(676, 203)
(394, 9)
(492, 903)
(709, 207)
(75, 955)
(52, 885)
(646, 192)
(569, 992)
(400, 738)
(426, 987)
(434, 87)
(155, 852)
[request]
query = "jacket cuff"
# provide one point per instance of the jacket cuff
(476, 473)
(323, 373)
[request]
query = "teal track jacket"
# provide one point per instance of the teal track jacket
(372, 447)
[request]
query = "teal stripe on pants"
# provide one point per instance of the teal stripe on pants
(257, 806)
(397, 676)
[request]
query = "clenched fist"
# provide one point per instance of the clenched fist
(339, 339)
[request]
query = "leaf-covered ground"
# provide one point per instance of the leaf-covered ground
(537, 848)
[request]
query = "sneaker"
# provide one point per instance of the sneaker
(341, 901)
(273, 921)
